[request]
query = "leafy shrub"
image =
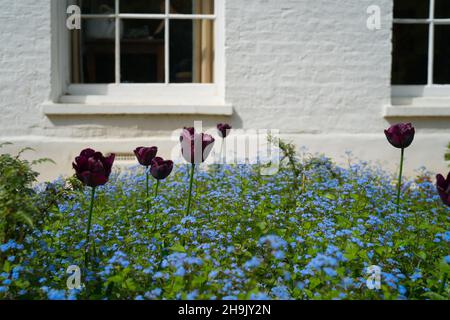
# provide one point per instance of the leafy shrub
(18, 199)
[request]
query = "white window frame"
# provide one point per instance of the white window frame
(430, 89)
(139, 94)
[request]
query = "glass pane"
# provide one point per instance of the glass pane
(192, 6)
(96, 6)
(442, 9)
(413, 9)
(142, 51)
(442, 55)
(93, 52)
(191, 51)
(410, 54)
(142, 6)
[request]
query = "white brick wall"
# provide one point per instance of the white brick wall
(309, 68)
(24, 65)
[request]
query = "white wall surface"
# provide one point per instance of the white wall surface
(310, 68)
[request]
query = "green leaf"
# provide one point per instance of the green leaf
(24, 150)
(7, 266)
(444, 267)
(330, 196)
(351, 251)
(380, 250)
(131, 285)
(262, 226)
(422, 255)
(5, 144)
(177, 248)
(314, 282)
(43, 160)
(434, 296)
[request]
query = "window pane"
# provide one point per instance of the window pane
(142, 6)
(413, 9)
(96, 6)
(442, 55)
(93, 52)
(142, 51)
(192, 6)
(410, 54)
(191, 51)
(442, 9)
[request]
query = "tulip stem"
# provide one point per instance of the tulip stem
(444, 280)
(147, 203)
(191, 180)
(88, 231)
(399, 186)
(222, 152)
(156, 188)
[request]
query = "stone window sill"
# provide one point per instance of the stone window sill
(74, 109)
(418, 107)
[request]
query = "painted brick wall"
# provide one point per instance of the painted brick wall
(25, 62)
(308, 66)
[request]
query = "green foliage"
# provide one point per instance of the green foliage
(447, 155)
(18, 199)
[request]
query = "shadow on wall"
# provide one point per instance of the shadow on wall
(425, 124)
(131, 125)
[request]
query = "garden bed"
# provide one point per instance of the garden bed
(248, 236)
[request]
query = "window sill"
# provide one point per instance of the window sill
(417, 107)
(74, 109)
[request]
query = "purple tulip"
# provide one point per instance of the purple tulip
(92, 168)
(400, 135)
(161, 168)
(195, 147)
(223, 129)
(145, 155)
(443, 187)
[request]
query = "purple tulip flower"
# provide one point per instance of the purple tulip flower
(223, 129)
(92, 168)
(161, 168)
(400, 135)
(443, 187)
(145, 155)
(195, 147)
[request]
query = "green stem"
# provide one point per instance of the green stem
(156, 188)
(88, 231)
(188, 208)
(444, 280)
(156, 194)
(222, 153)
(399, 187)
(147, 203)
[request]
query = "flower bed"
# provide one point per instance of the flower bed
(247, 236)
